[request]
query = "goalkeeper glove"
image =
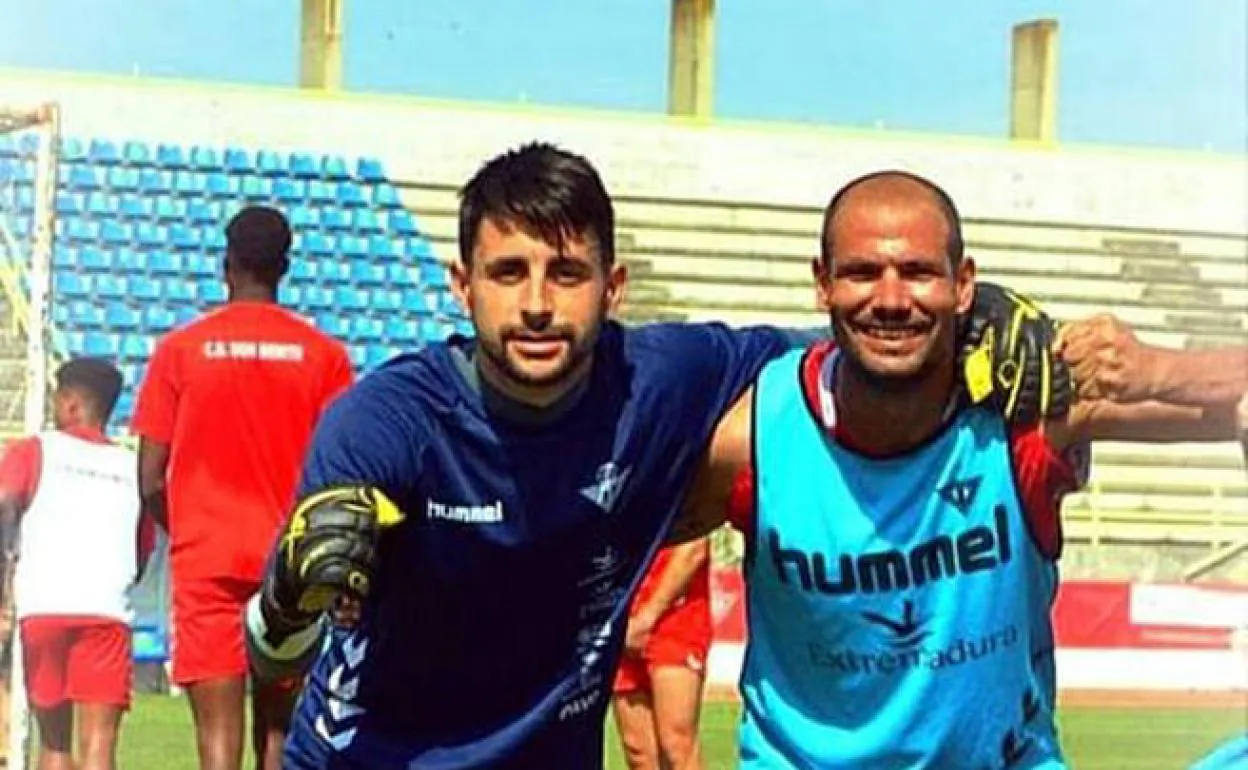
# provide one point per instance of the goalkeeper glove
(329, 549)
(1008, 360)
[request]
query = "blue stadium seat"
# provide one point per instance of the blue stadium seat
(334, 324)
(101, 344)
(186, 313)
(203, 212)
(74, 342)
(205, 159)
(257, 188)
(84, 178)
(164, 263)
(145, 288)
(350, 298)
(137, 347)
(367, 274)
(124, 408)
(122, 179)
(379, 354)
(386, 301)
(351, 196)
(365, 222)
(420, 250)
(358, 355)
(270, 163)
(85, 315)
(320, 192)
(431, 330)
(122, 317)
(238, 161)
(78, 230)
(158, 319)
(95, 259)
(334, 167)
(25, 198)
(320, 245)
(448, 306)
(127, 260)
(304, 166)
(64, 257)
(136, 206)
(214, 240)
(189, 184)
(136, 154)
(72, 150)
(386, 196)
(289, 191)
(182, 292)
(304, 218)
(131, 374)
(290, 295)
(318, 298)
(170, 156)
(185, 237)
(415, 303)
(369, 170)
(333, 272)
(402, 224)
(149, 235)
(200, 265)
(222, 186)
(402, 331)
(115, 233)
(28, 144)
(100, 204)
(434, 275)
(353, 247)
(212, 292)
(171, 209)
(69, 203)
(110, 287)
(463, 326)
(104, 152)
(303, 270)
(401, 276)
(384, 249)
(23, 226)
(155, 182)
(367, 329)
(60, 314)
(335, 220)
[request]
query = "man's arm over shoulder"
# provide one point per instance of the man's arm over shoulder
(730, 451)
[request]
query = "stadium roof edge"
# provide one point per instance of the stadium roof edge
(157, 84)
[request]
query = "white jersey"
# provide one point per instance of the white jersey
(78, 551)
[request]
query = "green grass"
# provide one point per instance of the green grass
(157, 735)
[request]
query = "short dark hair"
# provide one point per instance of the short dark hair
(954, 246)
(257, 241)
(96, 379)
(545, 191)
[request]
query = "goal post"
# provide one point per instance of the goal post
(29, 157)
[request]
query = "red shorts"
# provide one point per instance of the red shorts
(681, 639)
(207, 630)
(76, 659)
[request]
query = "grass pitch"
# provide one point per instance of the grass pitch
(157, 736)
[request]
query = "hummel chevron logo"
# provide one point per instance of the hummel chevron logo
(341, 688)
(352, 652)
(338, 740)
(907, 632)
(608, 483)
(960, 493)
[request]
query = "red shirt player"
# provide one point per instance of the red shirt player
(225, 414)
(658, 685)
(73, 496)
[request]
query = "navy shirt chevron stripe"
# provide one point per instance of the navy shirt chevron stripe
(499, 609)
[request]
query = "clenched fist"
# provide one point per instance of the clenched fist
(1107, 360)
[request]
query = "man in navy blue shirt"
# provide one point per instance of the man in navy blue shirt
(523, 479)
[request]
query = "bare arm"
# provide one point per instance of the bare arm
(685, 561)
(706, 507)
(153, 465)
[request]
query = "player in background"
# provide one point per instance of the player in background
(523, 479)
(69, 497)
(658, 686)
(224, 418)
(901, 548)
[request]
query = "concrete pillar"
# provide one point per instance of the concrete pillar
(320, 53)
(1033, 86)
(691, 64)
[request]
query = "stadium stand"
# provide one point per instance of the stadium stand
(139, 245)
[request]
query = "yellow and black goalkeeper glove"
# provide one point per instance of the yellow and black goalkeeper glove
(329, 549)
(1008, 360)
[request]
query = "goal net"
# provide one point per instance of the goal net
(29, 145)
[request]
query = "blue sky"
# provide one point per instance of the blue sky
(1133, 72)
